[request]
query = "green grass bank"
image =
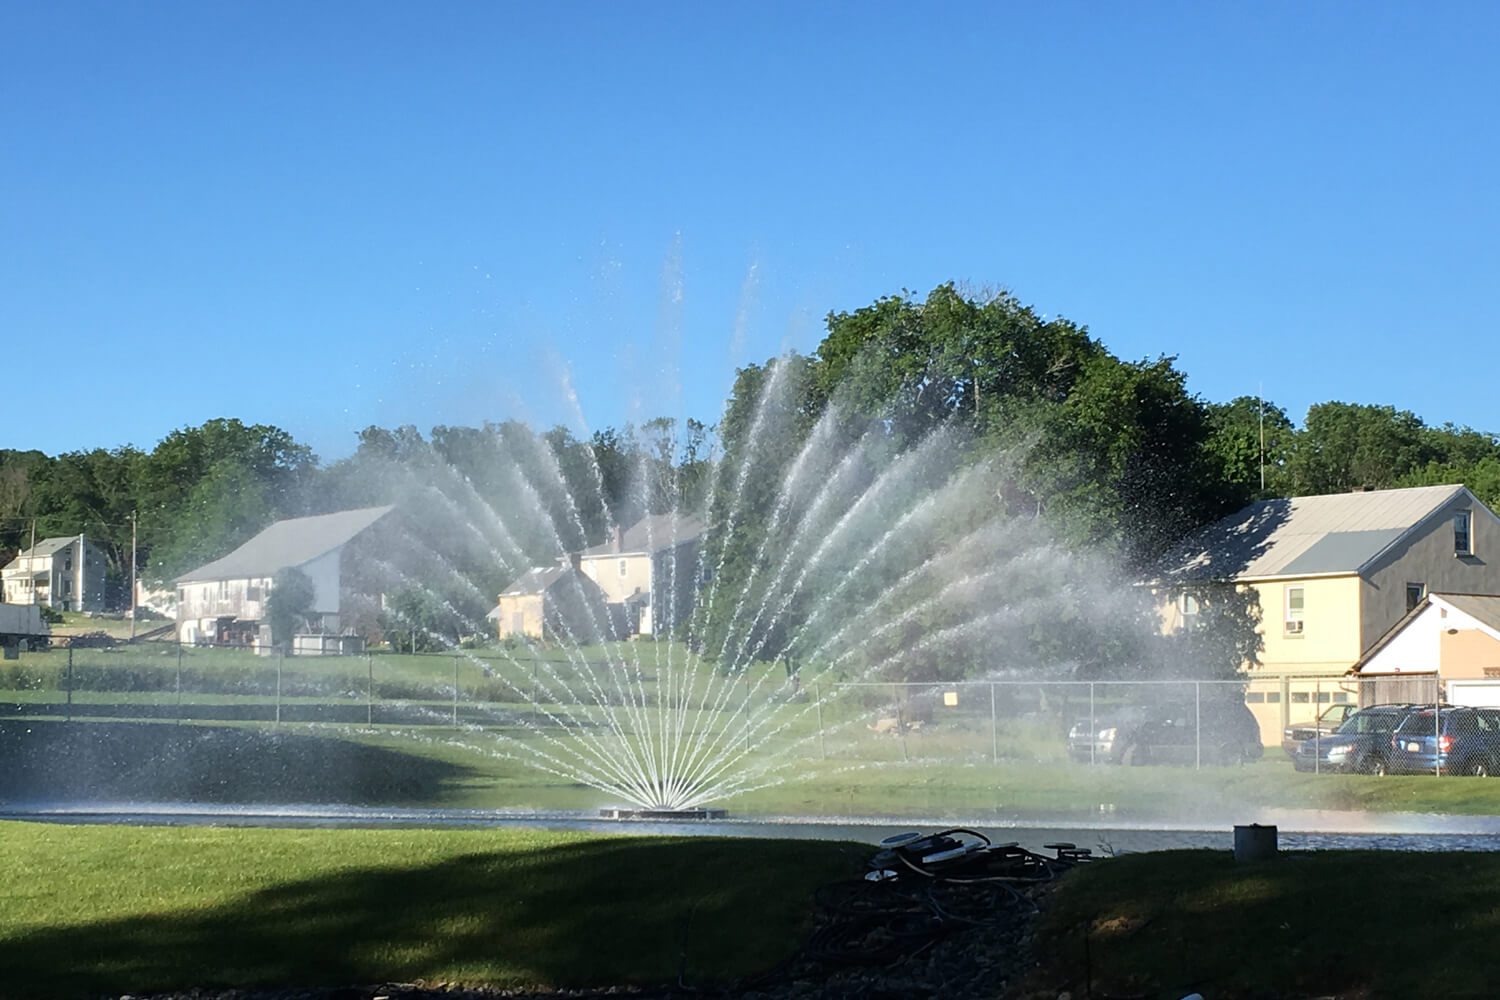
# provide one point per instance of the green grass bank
(96, 910)
(1347, 924)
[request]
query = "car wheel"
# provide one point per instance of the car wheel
(1373, 765)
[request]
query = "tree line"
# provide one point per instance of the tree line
(1116, 454)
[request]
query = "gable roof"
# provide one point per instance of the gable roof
(1305, 536)
(46, 547)
(288, 543)
(534, 581)
(1483, 608)
(653, 533)
(544, 578)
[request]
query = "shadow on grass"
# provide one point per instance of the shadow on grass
(626, 910)
(145, 762)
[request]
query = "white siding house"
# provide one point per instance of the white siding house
(64, 573)
(225, 601)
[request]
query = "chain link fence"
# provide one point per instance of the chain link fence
(1196, 723)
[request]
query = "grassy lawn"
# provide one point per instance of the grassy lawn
(1343, 923)
(109, 910)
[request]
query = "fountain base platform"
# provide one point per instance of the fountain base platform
(669, 815)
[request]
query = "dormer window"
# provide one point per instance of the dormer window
(1463, 540)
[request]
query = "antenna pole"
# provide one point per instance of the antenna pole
(1260, 400)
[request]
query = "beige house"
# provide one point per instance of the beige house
(1331, 575)
(649, 570)
(64, 573)
(553, 603)
(225, 600)
(1447, 647)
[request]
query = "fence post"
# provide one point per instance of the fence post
(1317, 728)
(1093, 728)
(370, 690)
(994, 728)
(818, 701)
(1437, 726)
(455, 692)
(70, 680)
(1198, 725)
(280, 655)
(900, 720)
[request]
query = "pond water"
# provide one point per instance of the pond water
(1297, 829)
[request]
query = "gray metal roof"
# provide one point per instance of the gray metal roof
(534, 581)
(288, 543)
(653, 533)
(46, 547)
(1304, 536)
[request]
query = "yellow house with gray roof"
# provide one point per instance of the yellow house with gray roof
(1332, 575)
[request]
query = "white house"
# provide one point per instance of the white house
(64, 573)
(225, 601)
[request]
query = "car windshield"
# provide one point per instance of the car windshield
(1369, 722)
(1423, 722)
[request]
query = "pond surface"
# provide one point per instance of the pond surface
(1297, 829)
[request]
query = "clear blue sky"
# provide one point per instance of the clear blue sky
(327, 215)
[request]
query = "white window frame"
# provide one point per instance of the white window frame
(1292, 624)
(1467, 517)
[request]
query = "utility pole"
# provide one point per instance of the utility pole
(31, 565)
(134, 604)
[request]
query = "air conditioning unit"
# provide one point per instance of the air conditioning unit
(1294, 627)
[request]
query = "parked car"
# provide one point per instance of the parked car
(1447, 740)
(1360, 745)
(1214, 732)
(1331, 718)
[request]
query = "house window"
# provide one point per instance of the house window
(1341, 697)
(1292, 622)
(1254, 697)
(1300, 698)
(1273, 697)
(1463, 541)
(1414, 594)
(1187, 608)
(623, 564)
(68, 564)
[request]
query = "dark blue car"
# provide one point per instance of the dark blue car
(1449, 740)
(1360, 745)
